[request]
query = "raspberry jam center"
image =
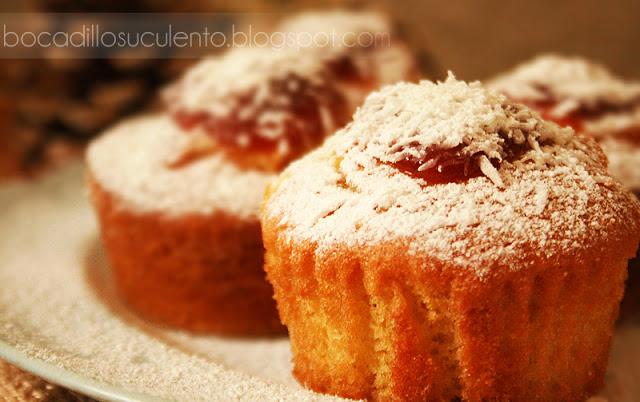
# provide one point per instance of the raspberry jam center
(579, 117)
(574, 120)
(290, 120)
(440, 166)
(631, 135)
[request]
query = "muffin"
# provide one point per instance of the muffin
(184, 243)
(177, 194)
(449, 243)
(584, 95)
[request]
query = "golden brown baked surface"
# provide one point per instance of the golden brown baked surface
(378, 322)
(198, 272)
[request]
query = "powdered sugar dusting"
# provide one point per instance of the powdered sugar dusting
(212, 85)
(574, 85)
(624, 161)
(133, 161)
(556, 197)
(407, 121)
(572, 82)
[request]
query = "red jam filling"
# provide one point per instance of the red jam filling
(574, 120)
(631, 135)
(439, 166)
(301, 129)
(345, 70)
(444, 166)
(578, 118)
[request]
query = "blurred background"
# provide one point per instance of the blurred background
(49, 108)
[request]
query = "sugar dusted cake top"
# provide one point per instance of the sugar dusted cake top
(260, 105)
(213, 84)
(542, 191)
(572, 83)
(408, 122)
(134, 161)
(588, 97)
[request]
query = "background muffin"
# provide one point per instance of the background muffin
(586, 96)
(184, 243)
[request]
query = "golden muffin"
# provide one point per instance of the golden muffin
(449, 243)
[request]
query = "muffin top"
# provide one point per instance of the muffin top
(458, 173)
(135, 161)
(587, 97)
(259, 104)
(569, 85)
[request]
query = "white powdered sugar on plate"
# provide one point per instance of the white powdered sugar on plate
(51, 313)
(555, 198)
(133, 161)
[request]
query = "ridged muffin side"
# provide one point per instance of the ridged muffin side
(197, 272)
(383, 324)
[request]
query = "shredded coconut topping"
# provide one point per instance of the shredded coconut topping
(587, 96)
(408, 121)
(571, 82)
(134, 161)
(556, 197)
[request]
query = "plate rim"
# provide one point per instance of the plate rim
(68, 379)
